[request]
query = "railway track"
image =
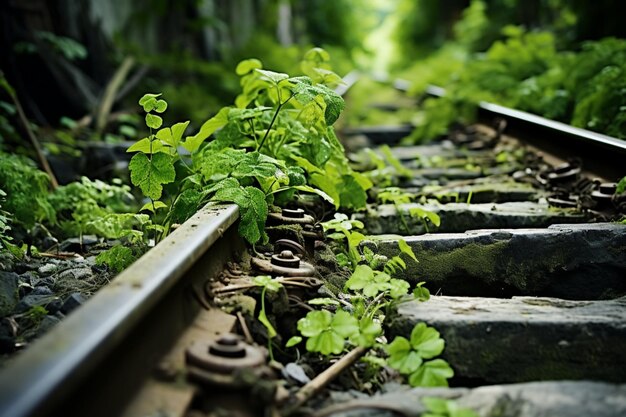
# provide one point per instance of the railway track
(526, 271)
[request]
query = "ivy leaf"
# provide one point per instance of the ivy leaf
(327, 332)
(433, 373)
(402, 357)
(150, 175)
(621, 186)
(173, 135)
(153, 121)
(271, 331)
(426, 341)
(325, 301)
(296, 176)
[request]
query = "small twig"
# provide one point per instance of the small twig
(319, 382)
(33, 139)
(244, 328)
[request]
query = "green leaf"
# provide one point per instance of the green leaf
(426, 341)
(398, 288)
(351, 194)
(160, 106)
(153, 121)
(369, 330)
(360, 278)
(420, 292)
(267, 282)
(153, 206)
(402, 357)
(323, 302)
(185, 205)
(436, 405)
(173, 135)
(433, 373)
(117, 258)
(192, 143)
(148, 102)
(144, 145)
(248, 65)
(326, 343)
(344, 324)
(271, 331)
(314, 323)
(294, 340)
(406, 249)
(274, 77)
(253, 215)
(317, 191)
(150, 175)
(305, 92)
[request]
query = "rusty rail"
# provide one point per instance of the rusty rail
(110, 343)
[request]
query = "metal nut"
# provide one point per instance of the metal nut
(224, 355)
(286, 259)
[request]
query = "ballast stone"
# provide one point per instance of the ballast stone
(460, 217)
(491, 340)
(573, 261)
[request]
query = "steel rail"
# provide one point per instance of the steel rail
(98, 345)
(603, 155)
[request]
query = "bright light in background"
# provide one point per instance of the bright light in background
(379, 22)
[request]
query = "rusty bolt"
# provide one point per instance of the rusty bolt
(286, 259)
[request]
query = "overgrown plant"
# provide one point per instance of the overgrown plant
(372, 293)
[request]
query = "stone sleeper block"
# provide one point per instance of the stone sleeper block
(524, 338)
(532, 399)
(460, 217)
(573, 261)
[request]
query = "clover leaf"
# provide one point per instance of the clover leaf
(327, 332)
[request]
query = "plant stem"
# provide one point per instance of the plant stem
(267, 132)
(33, 139)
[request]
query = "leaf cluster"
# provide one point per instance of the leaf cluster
(409, 357)
(26, 189)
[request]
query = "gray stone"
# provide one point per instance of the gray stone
(48, 268)
(524, 338)
(9, 283)
(573, 261)
(41, 290)
(82, 273)
(72, 302)
(458, 217)
(534, 399)
(493, 192)
(76, 244)
(50, 302)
